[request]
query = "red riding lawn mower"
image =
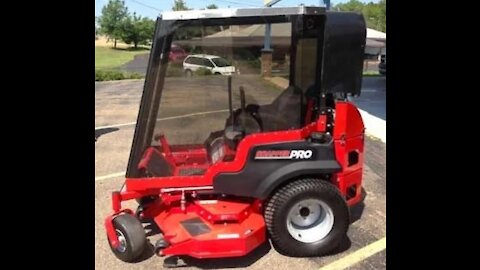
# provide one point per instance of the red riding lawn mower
(221, 171)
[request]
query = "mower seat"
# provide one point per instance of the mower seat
(284, 112)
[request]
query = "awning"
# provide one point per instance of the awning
(253, 35)
(377, 35)
(374, 44)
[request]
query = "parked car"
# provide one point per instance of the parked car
(216, 64)
(382, 66)
(176, 53)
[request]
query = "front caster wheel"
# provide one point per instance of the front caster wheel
(131, 236)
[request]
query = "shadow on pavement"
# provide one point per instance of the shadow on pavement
(238, 262)
(342, 247)
(356, 211)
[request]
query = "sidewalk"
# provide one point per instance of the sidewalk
(375, 126)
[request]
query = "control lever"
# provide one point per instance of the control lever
(163, 141)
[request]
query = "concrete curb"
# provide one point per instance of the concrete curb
(374, 126)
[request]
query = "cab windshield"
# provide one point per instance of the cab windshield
(204, 112)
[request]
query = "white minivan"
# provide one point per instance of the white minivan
(216, 64)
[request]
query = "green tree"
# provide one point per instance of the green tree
(179, 5)
(186, 32)
(112, 18)
(352, 5)
(374, 13)
(212, 6)
(382, 18)
(137, 30)
(96, 27)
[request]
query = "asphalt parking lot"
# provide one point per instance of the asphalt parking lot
(373, 96)
(116, 108)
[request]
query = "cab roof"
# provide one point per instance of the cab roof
(240, 12)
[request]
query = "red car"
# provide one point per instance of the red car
(176, 54)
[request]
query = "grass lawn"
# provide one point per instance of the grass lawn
(107, 58)
(371, 73)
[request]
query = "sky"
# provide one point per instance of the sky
(151, 8)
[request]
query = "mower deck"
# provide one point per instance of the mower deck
(210, 228)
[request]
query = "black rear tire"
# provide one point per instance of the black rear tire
(188, 73)
(280, 204)
(134, 240)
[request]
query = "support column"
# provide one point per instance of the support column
(267, 62)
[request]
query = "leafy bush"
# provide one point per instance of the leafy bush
(113, 75)
(175, 69)
(134, 75)
(174, 72)
(255, 63)
(203, 72)
(101, 75)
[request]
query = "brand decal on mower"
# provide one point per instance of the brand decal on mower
(228, 235)
(283, 154)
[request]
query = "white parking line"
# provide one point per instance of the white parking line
(358, 255)
(162, 119)
(112, 175)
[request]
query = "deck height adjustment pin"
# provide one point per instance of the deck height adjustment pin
(182, 201)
